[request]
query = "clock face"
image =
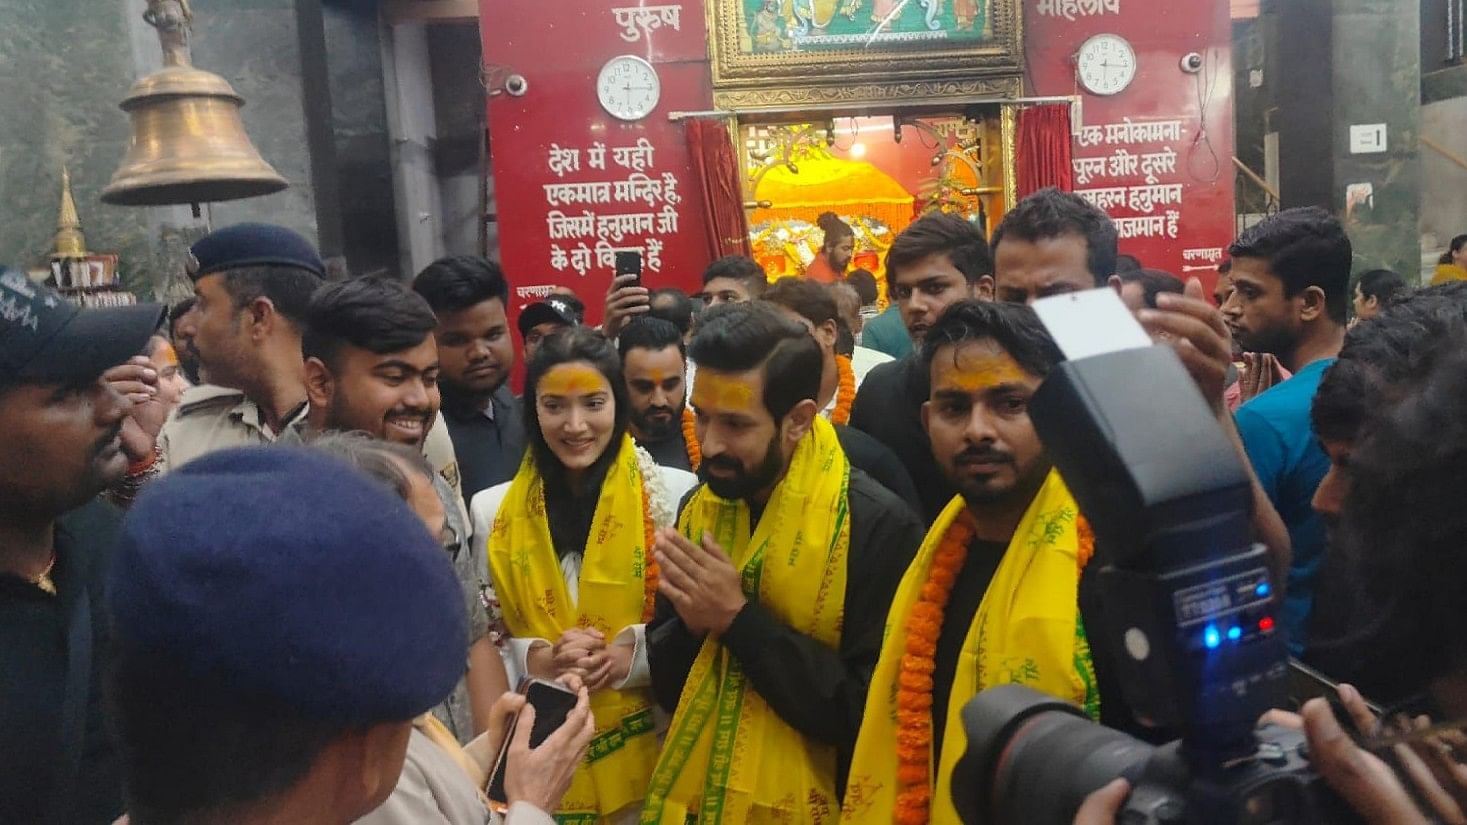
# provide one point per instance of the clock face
(1105, 64)
(628, 87)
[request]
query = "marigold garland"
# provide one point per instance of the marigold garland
(690, 438)
(651, 571)
(845, 395)
(914, 680)
(914, 683)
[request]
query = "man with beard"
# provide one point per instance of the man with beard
(935, 262)
(773, 587)
(475, 354)
(1291, 292)
(63, 422)
(1377, 359)
(993, 595)
(654, 363)
(371, 366)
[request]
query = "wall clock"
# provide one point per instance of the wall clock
(1105, 64)
(628, 87)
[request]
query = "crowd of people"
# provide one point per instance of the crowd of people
(285, 552)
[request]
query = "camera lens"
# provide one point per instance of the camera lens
(1033, 759)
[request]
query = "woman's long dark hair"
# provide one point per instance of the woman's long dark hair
(564, 347)
(1454, 247)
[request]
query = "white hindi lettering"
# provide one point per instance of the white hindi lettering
(1212, 254)
(596, 155)
(1150, 226)
(1159, 163)
(591, 237)
(638, 158)
(564, 160)
(1070, 9)
(537, 291)
(637, 21)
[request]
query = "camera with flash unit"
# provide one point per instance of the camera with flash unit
(1187, 623)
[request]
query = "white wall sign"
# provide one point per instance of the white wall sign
(1367, 138)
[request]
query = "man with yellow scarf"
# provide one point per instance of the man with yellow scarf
(773, 588)
(993, 595)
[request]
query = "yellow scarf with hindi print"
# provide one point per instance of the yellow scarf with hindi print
(532, 592)
(1027, 631)
(728, 757)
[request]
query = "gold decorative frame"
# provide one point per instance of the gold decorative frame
(881, 75)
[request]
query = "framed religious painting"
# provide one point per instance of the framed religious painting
(789, 53)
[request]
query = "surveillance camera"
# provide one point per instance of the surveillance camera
(1191, 62)
(516, 85)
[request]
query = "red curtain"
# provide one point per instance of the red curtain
(1043, 153)
(717, 166)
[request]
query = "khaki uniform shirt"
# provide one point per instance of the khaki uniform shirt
(210, 418)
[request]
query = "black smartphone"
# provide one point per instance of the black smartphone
(1306, 683)
(552, 703)
(629, 263)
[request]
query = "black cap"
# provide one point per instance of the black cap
(253, 244)
(45, 338)
(557, 309)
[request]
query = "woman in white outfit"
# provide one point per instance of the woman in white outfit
(569, 548)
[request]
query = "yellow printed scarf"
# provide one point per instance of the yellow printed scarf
(536, 603)
(1027, 631)
(729, 758)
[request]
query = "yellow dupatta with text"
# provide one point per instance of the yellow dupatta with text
(1027, 631)
(729, 758)
(531, 588)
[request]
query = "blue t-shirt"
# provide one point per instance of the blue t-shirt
(887, 333)
(1286, 455)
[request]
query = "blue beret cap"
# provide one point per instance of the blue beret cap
(253, 244)
(282, 574)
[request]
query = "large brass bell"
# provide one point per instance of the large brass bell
(188, 142)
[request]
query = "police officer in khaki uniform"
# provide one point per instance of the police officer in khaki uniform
(253, 282)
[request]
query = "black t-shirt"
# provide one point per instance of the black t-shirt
(488, 450)
(873, 458)
(669, 452)
(962, 606)
(967, 594)
(888, 407)
(33, 676)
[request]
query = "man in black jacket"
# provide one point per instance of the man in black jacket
(934, 263)
(63, 424)
(768, 464)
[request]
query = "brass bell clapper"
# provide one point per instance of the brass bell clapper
(188, 142)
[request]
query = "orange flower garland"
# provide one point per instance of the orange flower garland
(845, 394)
(690, 438)
(914, 680)
(651, 572)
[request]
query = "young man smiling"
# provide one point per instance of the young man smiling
(372, 366)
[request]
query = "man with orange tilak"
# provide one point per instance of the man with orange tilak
(773, 588)
(993, 595)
